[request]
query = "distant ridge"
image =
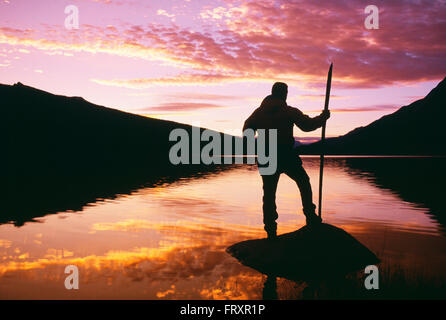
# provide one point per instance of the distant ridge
(416, 129)
(42, 133)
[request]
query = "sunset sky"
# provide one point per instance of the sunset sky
(210, 63)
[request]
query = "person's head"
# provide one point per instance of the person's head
(280, 90)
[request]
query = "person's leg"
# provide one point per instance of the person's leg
(269, 202)
(296, 171)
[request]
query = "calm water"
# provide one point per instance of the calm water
(168, 241)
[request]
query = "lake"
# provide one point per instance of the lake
(167, 240)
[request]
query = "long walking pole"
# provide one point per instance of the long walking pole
(321, 172)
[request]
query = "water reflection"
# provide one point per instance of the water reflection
(166, 239)
(30, 197)
(416, 180)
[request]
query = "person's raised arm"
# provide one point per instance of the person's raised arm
(306, 123)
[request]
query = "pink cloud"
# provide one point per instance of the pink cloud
(362, 109)
(183, 106)
(273, 40)
(297, 40)
(200, 96)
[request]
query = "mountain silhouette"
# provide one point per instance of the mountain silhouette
(416, 129)
(43, 133)
(61, 153)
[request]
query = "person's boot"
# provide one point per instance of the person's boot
(311, 216)
(271, 233)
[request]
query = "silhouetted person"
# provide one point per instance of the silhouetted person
(274, 113)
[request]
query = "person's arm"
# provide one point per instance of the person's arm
(250, 123)
(306, 123)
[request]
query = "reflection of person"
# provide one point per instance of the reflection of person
(274, 113)
(269, 291)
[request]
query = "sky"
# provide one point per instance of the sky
(211, 63)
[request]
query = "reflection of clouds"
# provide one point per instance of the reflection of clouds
(185, 272)
(186, 233)
(164, 294)
(187, 202)
(242, 286)
(58, 253)
(190, 202)
(91, 261)
(193, 206)
(127, 225)
(5, 243)
(189, 262)
(205, 227)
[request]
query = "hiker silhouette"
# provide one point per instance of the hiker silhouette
(274, 113)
